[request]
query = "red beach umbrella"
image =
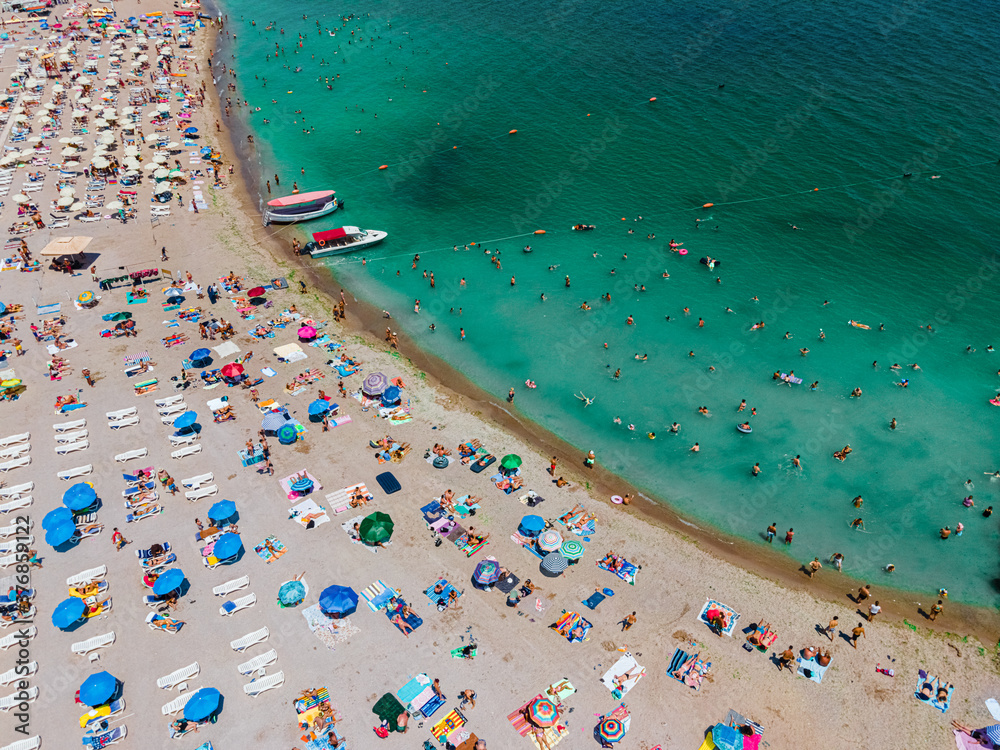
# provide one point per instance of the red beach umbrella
(232, 370)
(257, 291)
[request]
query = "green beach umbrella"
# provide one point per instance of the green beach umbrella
(510, 461)
(571, 549)
(376, 528)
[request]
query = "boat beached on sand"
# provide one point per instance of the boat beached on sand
(343, 240)
(301, 207)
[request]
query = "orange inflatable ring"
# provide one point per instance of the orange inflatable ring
(322, 243)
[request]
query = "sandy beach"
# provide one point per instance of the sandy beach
(679, 566)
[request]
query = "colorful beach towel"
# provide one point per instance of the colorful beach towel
(448, 724)
(328, 631)
(688, 669)
(286, 484)
(528, 544)
(469, 549)
(730, 614)
(441, 600)
(570, 625)
(377, 595)
(627, 572)
(559, 691)
(270, 549)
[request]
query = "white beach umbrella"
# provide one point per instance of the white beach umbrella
(136, 64)
(106, 138)
(35, 139)
(77, 139)
(83, 81)
(65, 140)
(65, 202)
(68, 151)
(20, 118)
(8, 160)
(67, 191)
(161, 189)
(150, 167)
(162, 107)
(71, 163)
(83, 100)
(128, 110)
(58, 88)
(26, 154)
(79, 114)
(99, 161)
(115, 205)
(161, 174)
(20, 198)
(100, 122)
(76, 206)
(172, 144)
(158, 159)
(131, 151)
(50, 105)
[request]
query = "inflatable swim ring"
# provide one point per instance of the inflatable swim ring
(683, 251)
(704, 262)
(616, 499)
(745, 430)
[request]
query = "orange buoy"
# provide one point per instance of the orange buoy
(454, 146)
(384, 166)
(511, 132)
(815, 190)
(539, 231)
(708, 205)
(623, 218)
(652, 98)
(473, 244)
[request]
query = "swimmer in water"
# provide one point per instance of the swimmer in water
(586, 401)
(642, 358)
(675, 428)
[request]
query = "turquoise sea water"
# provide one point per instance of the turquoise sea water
(845, 97)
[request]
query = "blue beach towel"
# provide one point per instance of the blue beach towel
(441, 600)
(925, 679)
(594, 599)
(811, 669)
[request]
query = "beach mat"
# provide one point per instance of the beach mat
(593, 600)
(812, 670)
(508, 584)
(924, 677)
(388, 483)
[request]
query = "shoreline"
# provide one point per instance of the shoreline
(366, 320)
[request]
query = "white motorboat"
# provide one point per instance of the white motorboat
(301, 207)
(343, 240)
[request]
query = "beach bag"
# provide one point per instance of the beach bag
(381, 732)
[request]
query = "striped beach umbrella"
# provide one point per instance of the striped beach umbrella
(611, 730)
(375, 384)
(553, 564)
(550, 541)
(542, 712)
(84, 297)
(273, 420)
(487, 572)
(287, 434)
(571, 549)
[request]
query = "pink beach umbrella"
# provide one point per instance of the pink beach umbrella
(307, 333)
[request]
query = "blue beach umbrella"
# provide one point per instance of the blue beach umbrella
(286, 434)
(68, 612)
(391, 395)
(222, 510)
(61, 533)
(169, 580)
(3, 308)
(202, 704)
(532, 525)
(339, 601)
(487, 572)
(229, 545)
(81, 495)
(185, 420)
(200, 355)
(292, 593)
(190, 130)
(97, 689)
(319, 407)
(54, 517)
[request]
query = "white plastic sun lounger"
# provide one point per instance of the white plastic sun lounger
(244, 602)
(117, 424)
(71, 437)
(10, 547)
(15, 451)
(188, 450)
(128, 455)
(173, 409)
(7, 561)
(183, 439)
(169, 401)
(250, 639)
(32, 743)
(262, 685)
(74, 425)
(17, 463)
(80, 445)
(88, 576)
(225, 589)
(177, 704)
(92, 644)
(14, 638)
(12, 675)
(196, 495)
(195, 482)
(176, 677)
(122, 413)
(17, 490)
(14, 699)
(15, 529)
(170, 418)
(29, 615)
(18, 504)
(258, 662)
(79, 471)
(15, 439)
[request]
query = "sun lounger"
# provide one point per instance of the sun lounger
(143, 512)
(92, 644)
(156, 621)
(15, 439)
(250, 639)
(80, 445)
(71, 437)
(18, 673)
(18, 504)
(88, 576)
(174, 678)
(170, 418)
(74, 425)
(79, 471)
(15, 529)
(262, 685)
(173, 409)
(196, 482)
(14, 638)
(188, 450)
(229, 587)
(17, 490)
(32, 743)
(111, 737)
(17, 463)
(258, 662)
(15, 699)
(117, 424)
(169, 401)
(128, 455)
(11, 546)
(177, 704)
(196, 495)
(122, 413)
(183, 439)
(232, 607)
(15, 451)
(18, 617)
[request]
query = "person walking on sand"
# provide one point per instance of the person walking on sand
(771, 531)
(118, 540)
(814, 566)
(936, 610)
(552, 466)
(88, 377)
(787, 659)
(863, 593)
(468, 697)
(873, 610)
(628, 622)
(856, 633)
(833, 625)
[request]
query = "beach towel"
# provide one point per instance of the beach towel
(527, 543)
(452, 721)
(462, 542)
(593, 600)
(517, 719)
(413, 621)
(348, 527)
(320, 741)
(569, 622)
(286, 484)
(329, 632)
(460, 653)
(924, 678)
(811, 669)
(559, 691)
(377, 595)
(552, 734)
(308, 512)
(688, 669)
(627, 572)
(66, 344)
(731, 615)
(576, 524)
(508, 584)
(277, 549)
(626, 664)
(441, 600)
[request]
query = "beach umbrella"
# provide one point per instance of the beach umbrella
(21, 198)
(391, 395)
(190, 130)
(97, 689)
(726, 737)
(550, 541)
(319, 407)
(993, 732)
(554, 564)
(287, 434)
(161, 174)
(531, 525)
(376, 528)
(68, 612)
(571, 549)
(232, 370)
(65, 201)
(84, 297)
(510, 462)
(162, 107)
(169, 580)
(611, 730)
(292, 593)
(115, 206)
(76, 206)
(67, 192)
(542, 713)
(257, 291)
(338, 601)
(54, 517)
(81, 495)
(307, 333)
(228, 545)
(201, 355)
(203, 704)
(487, 572)
(185, 420)
(61, 533)
(375, 384)
(119, 316)
(222, 510)
(99, 161)
(273, 420)
(162, 188)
